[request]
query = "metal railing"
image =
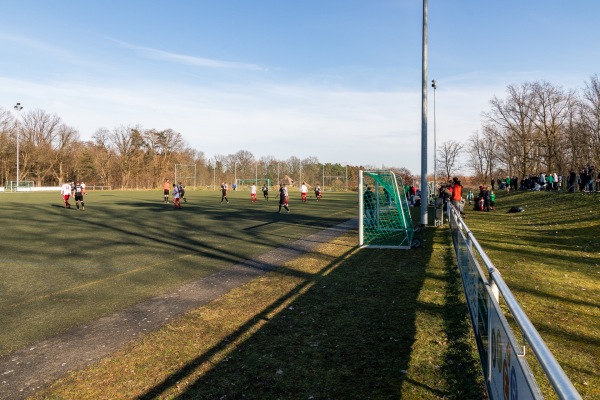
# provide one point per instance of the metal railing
(506, 372)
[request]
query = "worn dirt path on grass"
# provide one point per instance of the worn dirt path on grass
(25, 371)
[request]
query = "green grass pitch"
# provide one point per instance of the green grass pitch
(63, 267)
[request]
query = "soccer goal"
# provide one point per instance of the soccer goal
(384, 216)
(186, 174)
(245, 184)
(21, 186)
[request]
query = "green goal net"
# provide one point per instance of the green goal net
(384, 219)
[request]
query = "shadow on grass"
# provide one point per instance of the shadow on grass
(346, 332)
(348, 335)
(126, 252)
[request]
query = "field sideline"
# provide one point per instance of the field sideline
(63, 267)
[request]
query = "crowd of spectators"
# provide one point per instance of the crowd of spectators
(585, 181)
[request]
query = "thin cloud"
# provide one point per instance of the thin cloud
(40, 46)
(190, 60)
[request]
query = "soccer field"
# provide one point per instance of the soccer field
(63, 267)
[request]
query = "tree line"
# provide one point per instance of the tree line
(130, 157)
(537, 128)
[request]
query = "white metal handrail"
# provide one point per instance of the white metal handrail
(561, 383)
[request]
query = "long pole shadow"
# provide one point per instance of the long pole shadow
(349, 334)
(189, 368)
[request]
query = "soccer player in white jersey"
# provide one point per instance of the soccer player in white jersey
(253, 192)
(176, 195)
(65, 191)
(303, 191)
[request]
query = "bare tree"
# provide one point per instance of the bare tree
(103, 156)
(590, 115)
(402, 172)
(160, 150)
(267, 168)
(128, 143)
(7, 144)
(246, 164)
(550, 116)
(38, 136)
(311, 170)
(513, 123)
(482, 153)
(449, 154)
(65, 156)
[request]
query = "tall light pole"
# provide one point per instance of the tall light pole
(424, 188)
(18, 108)
(235, 172)
(434, 86)
(346, 177)
(215, 174)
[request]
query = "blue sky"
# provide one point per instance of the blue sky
(339, 80)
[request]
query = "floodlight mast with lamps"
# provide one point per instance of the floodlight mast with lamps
(434, 86)
(18, 108)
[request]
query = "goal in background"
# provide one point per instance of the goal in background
(384, 216)
(186, 174)
(244, 184)
(22, 186)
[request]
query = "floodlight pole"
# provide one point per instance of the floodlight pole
(424, 188)
(215, 174)
(434, 86)
(18, 108)
(346, 177)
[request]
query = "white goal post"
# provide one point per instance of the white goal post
(243, 184)
(20, 186)
(186, 174)
(383, 213)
